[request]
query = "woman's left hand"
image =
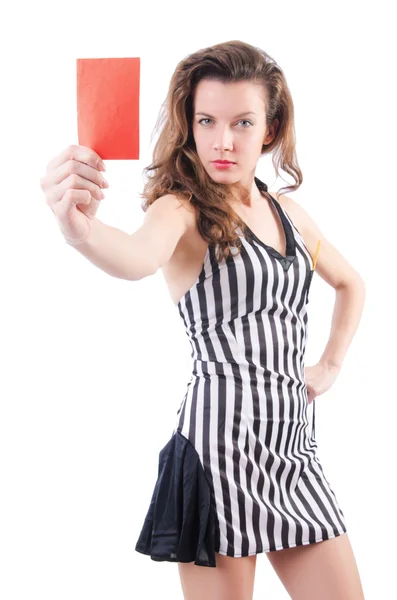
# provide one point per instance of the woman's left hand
(319, 378)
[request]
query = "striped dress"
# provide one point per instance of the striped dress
(240, 474)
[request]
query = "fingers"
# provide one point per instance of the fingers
(71, 167)
(81, 154)
(64, 165)
(73, 174)
(71, 198)
(55, 193)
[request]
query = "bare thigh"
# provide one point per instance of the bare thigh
(325, 570)
(231, 579)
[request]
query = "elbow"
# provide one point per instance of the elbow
(141, 272)
(143, 269)
(354, 282)
(142, 260)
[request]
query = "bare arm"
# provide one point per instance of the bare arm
(346, 316)
(338, 273)
(142, 253)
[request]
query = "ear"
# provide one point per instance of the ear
(271, 134)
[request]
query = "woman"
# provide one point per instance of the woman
(240, 474)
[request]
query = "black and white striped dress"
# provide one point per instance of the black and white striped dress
(240, 474)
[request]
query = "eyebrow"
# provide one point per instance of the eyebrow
(236, 117)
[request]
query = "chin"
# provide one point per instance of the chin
(224, 177)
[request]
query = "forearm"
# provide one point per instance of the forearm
(349, 303)
(114, 251)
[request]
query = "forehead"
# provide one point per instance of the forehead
(210, 95)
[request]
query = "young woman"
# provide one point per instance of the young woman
(239, 475)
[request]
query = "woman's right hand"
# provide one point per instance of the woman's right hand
(73, 190)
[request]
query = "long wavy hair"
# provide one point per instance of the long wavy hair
(176, 167)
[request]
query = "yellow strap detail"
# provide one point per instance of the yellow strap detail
(316, 255)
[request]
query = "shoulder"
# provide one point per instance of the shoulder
(331, 265)
(298, 215)
(303, 222)
(171, 202)
(171, 206)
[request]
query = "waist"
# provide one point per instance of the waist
(247, 372)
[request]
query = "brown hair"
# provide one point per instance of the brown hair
(176, 165)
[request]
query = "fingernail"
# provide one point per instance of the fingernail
(104, 183)
(102, 195)
(101, 165)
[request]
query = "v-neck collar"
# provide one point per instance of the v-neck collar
(290, 256)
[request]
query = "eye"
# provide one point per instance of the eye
(245, 121)
(201, 120)
(242, 121)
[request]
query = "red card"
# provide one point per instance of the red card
(108, 106)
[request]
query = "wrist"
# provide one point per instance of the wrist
(76, 242)
(330, 364)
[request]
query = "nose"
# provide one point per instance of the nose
(224, 141)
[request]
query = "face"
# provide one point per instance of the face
(222, 132)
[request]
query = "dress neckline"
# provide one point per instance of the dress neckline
(290, 255)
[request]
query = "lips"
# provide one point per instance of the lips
(224, 162)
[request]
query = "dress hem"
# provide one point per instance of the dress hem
(264, 551)
(277, 548)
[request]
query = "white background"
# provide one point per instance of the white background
(93, 368)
